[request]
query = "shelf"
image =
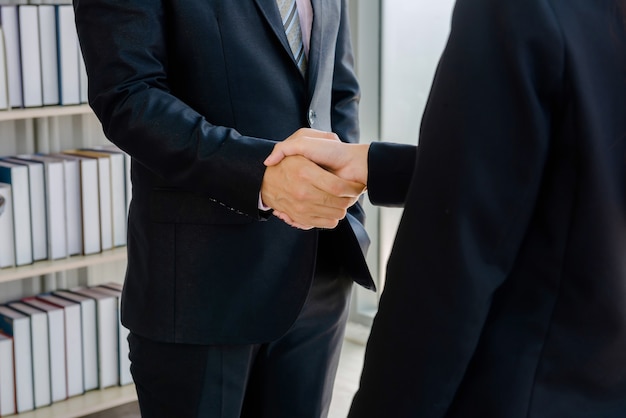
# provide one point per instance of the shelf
(52, 266)
(43, 112)
(89, 403)
(97, 400)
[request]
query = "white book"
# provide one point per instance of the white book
(40, 352)
(107, 320)
(114, 289)
(89, 335)
(17, 325)
(73, 208)
(7, 384)
(73, 342)
(10, 26)
(54, 172)
(83, 80)
(4, 83)
(113, 285)
(7, 246)
(30, 55)
(67, 44)
(127, 165)
(56, 335)
(49, 55)
(118, 192)
(37, 189)
(89, 201)
(17, 176)
(105, 194)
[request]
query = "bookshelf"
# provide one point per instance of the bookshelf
(51, 129)
(44, 267)
(41, 78)
(43, 112)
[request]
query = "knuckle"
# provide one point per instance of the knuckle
(300, 195)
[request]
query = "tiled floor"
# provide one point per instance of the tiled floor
(346, 383)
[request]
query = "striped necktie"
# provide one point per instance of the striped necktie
(291, 23)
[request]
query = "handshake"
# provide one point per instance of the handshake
(312, 178)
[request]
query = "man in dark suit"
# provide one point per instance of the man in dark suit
(231, 312)
(506, 287)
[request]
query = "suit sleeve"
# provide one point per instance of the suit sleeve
(390, 169)
(484, 147)
(345, 94)
(124, 46)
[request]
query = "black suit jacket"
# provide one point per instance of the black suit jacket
(506, 287)
(197, 92)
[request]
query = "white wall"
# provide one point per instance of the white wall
(414, 33)
(397, 46)
(365, 29)
(413, 36)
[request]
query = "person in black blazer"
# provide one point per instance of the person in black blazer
(506, 286)
(231, 312)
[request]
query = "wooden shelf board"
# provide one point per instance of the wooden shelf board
(52, 266)
(43, 112)
(89, 403)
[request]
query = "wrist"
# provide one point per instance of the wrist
(360, 163)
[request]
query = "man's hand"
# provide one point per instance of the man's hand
(305, 195)
(348, 161)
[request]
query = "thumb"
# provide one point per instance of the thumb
(275, 157)
(282, 150)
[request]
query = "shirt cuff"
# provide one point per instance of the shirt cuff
(262, 205)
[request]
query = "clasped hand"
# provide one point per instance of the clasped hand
(312, 178)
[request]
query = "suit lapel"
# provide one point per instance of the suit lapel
(317, 43)
(270, 12)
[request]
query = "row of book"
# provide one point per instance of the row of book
(61, 344)
(57, 205)
(40, 59)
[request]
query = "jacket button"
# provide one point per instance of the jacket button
(312, 117)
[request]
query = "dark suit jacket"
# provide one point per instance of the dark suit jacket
(506, 288)
(197, 92)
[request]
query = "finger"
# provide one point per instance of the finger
(320, 223)
(314, 134)
(313, 201)
(288, 148)
(299, 226)
(285, 218)
(325, 223)
(284, 149)
(296, 144)
(305, 215)
(337, 186)
(275, 157)
(323, 207)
